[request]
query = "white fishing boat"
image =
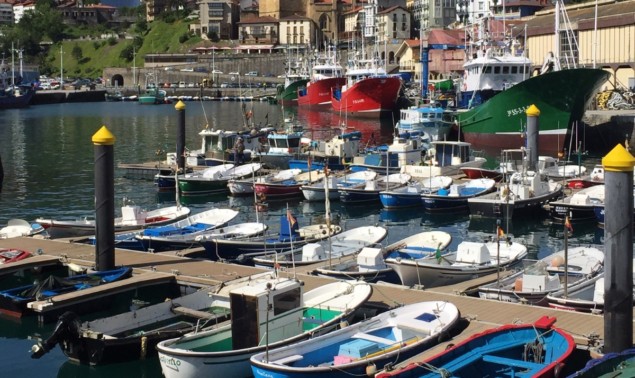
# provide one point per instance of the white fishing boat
(16, 228)
(245, 186)
(316, 192)
(378, 342)
(264, 317)
(445, 158)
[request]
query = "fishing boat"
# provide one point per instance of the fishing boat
(326, 74)
(334, 153)
(610, 365)
(245, 186)
(596, 177)
(444, 158)
(455, 199)
(411, 194)
(497, 88)
(470, 260)
(546, 276)
(16, 97)
(523, 193)
(431, 119)
(317, 192)
(295, 78)
(370, 266)
(132, 217)
(264, 317)
(13, 302)
(9, 255)
(519, 350)
(551, 167)
(214, 180)
(133, 335)
(378, 342)
(346, 243)
(370, 191)
(289, 236)
(16, 228)
(153, 95)
(577, 207)
(512, 160)
(283, 146)
(285, 189)
(391, 158)
(217, 144)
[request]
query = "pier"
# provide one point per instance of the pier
(479, 314)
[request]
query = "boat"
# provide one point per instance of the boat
(283, 146)
(519, 350)
(295, 78)
(370, 191)
(16, 228)
(431, 119)
(335, 153)
(285, 189)
(370, 266)
(316, 191)
(532, 284)
(378, 342)
(455, 199)
(132, 218)
(133, 335)
(523, 193)
(153, 95)
(16, 97)
(444, 158)
(512, 160)
(264, 317)
(368, 91)
(470, 260)
(577, 207)
(9, 255)
(326, 74)
(238, 187)
(346, 243)
(13, 302)
(498, 87)
(217, 144)
(391, 158)
(411, 194)
(214, 180)
(613, 365)
(596, 177)
(113, 95)
(289, 236)
(551, 167)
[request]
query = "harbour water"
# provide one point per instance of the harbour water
(47, 155)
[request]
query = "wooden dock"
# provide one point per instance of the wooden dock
(479, 313)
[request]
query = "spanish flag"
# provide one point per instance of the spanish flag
(567, 224)
(500, 232)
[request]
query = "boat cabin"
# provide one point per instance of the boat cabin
(451, 153)
(371, 260)
(217, 144)
(472, 253)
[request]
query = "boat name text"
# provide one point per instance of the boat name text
(517, 111)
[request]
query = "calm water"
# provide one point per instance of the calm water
(47, 156)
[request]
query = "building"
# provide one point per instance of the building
(19, 9)
(393, 24)
(6, 13)
(219, 18)
(258, 30)
(299, 30)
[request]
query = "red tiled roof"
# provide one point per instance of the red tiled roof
(259, 20)
(445, 37)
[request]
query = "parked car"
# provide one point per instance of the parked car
(217, 72)
(200, 69)
(80, 83)
(252, 73)
(234, 73)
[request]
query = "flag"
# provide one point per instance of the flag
(500, 232)
(567, 224)
(291, 219)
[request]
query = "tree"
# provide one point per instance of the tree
(77, 53)
(127, 53)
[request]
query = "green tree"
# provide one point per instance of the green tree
(127, 53)
(77, 53)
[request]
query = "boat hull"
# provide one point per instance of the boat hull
(561, 97)
(393, 200)
(289, 95)
(368, 97)
(277, 191)
(201, 187)
(318, 93)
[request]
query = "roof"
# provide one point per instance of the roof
(260, 20)
(391, 9)
(452, 37)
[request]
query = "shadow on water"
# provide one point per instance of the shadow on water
(149, 368)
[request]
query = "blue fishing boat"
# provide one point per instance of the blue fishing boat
(515, 350)
(610, 365)
(283, 146)
(389, 159)
(432, 120)
(370, 191)
(334, 153)
(410, 195)
(13, 302)
(455, 199)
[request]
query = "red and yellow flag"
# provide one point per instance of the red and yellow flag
(567, 224)
(500, 232)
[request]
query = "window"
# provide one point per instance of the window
(567, 46)
(497, 70)
(514, 70)
(505, 70)
(287, 301)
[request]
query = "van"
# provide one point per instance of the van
(181, 84)
(252, 73)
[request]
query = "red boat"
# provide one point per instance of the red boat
(286, 189)
(12, 255)
(477, 173)
(326, 74)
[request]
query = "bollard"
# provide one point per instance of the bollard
(618, 242)
(533, 131)
(180, 137)
(104, 199)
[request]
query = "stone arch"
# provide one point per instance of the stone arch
(324, 22)
(391, 57)
(116, 80)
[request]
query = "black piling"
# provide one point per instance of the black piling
(180, 136)
(1, 174)
(533, 129)
(104, 143)
(618, 240)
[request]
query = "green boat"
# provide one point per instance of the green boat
(288, 93)
(153, 95)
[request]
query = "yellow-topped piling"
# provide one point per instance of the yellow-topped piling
(103, 137)
(618, 160)
(532, 111)
(180, 105)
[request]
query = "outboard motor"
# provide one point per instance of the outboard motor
(67, 328)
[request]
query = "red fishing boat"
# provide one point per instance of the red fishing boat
(326, 74)
(287, 188)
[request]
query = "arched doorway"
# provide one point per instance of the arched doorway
(116, 80)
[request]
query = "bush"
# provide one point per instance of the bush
(184, 37)
(112, 41)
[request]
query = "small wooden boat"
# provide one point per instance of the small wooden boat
(14, 301)
(410, 195)
(516, 350)
(370, 191)
(288, 188)
(611, 365)
(578, 207)
(264, 317)
(370, 266)
(547, 276)
(316, 191)
(16, 228)
(9, 255)
(470, 260)
(346, 243)
(214, 179)
(552, 169)
(455, 199)
(474, 173)
(245, 186)
(133, 218)
(385, 339)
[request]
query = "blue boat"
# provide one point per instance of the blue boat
(610, 365)
(13, 302)
(515, 350)
(455, 199)
(282, 148)
(370, 191)
(335, 153)
(433, 120)
(389, 159)
(410, 195)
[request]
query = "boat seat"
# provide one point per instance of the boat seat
(417, 326)
(377, 339)
(193, 313)
(288, 359)
(512, 362)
